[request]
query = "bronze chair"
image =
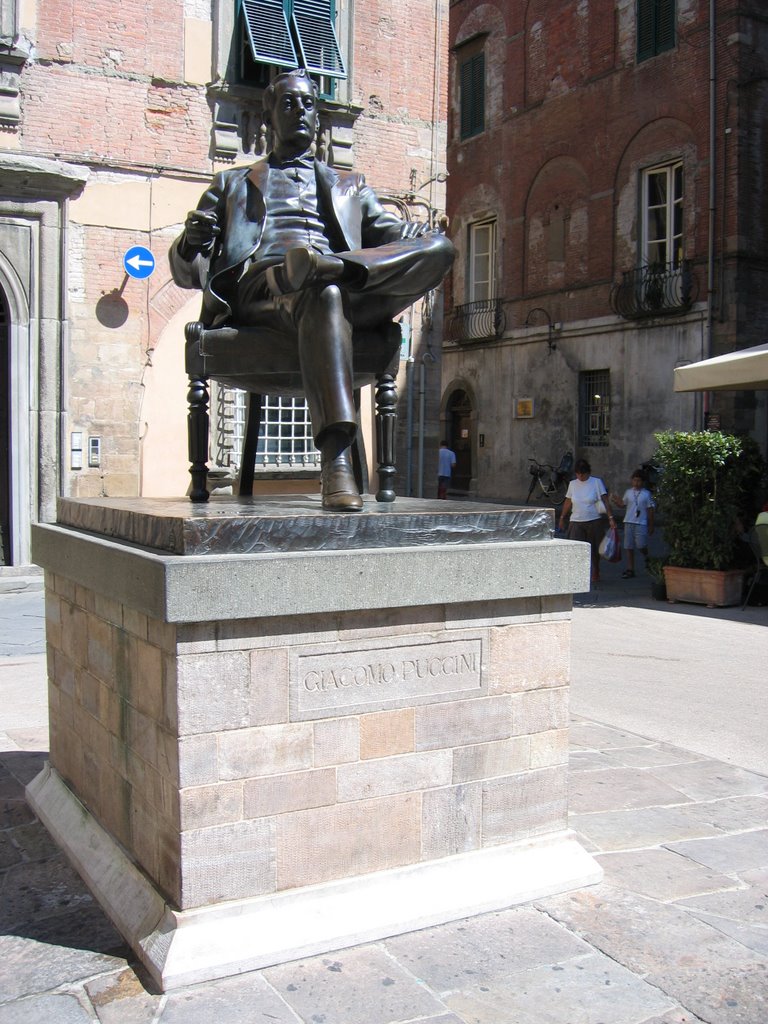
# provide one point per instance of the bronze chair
(260, 362)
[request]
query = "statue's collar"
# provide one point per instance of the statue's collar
(305, 161)
(258, 171)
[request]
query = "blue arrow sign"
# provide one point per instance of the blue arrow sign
(138, 262)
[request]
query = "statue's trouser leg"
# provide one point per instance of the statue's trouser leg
(325, 356)
(396, 275)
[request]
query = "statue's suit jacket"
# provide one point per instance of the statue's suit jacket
(356, 220)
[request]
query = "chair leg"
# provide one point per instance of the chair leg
(197, 436)
(386, 421)
(250, 445)
(755, 578)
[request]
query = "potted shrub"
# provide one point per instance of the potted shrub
(705, 497)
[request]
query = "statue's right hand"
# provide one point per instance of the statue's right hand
(201, 229)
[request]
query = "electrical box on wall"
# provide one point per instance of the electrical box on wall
(94, 451)
(76, 449)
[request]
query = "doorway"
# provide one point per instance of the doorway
(5, 434)
(459, 422)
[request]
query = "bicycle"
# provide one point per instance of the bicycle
(553, 483)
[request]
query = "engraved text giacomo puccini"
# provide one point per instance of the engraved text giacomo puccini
(416, 672)
(378, 673)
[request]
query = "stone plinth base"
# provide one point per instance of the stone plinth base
(255, 757)
(185, 947)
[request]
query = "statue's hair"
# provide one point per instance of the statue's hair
(268, 99)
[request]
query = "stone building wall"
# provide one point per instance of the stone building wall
(572, 120)
(131, 96)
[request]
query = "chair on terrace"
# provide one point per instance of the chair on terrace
(758, 540)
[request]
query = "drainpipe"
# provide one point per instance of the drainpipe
(422, 418)
(62, 486)
(409, 371)
(712, 188)
(422, 404)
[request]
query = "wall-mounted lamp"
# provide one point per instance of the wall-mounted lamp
(442, 176)
(550, 326)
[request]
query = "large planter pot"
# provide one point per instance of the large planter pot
(712, 587)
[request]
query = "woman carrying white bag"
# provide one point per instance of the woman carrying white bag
(587, 501)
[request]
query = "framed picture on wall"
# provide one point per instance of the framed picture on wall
(523, 408)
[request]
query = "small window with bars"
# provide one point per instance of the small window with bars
(285, 434)
(656, 24)
(594, 408)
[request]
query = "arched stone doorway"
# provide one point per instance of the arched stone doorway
(459, 416)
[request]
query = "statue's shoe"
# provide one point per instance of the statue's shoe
(340, 492)
(302, 268)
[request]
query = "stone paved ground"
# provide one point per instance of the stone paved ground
(676, 933)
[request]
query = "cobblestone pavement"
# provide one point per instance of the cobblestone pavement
(676, 933)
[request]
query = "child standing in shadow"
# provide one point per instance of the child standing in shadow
(638, 520)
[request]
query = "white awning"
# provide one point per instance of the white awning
(745, 370)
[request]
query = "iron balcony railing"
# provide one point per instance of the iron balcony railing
(477, 321)
(659, 289)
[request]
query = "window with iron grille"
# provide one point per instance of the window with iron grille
(285, 435)
(656, 21)
(594, 408)
(472, 94)
(278, 35)
(662, 205)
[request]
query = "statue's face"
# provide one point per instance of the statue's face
(294, 115)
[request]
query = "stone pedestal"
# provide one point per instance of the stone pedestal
(256, 757)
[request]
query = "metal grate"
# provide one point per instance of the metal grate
(477, 321)
(285, 437)
(285, 434)
(658, 290)
(229, 427)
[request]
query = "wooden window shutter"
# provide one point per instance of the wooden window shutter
(472, 95)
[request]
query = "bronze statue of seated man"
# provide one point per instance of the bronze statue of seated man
(292, 243)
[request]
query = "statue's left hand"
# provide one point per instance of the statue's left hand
(415, 229)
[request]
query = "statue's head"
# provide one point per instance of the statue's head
(290, 107)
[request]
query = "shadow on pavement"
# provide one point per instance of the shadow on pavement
(613, 591)
(43, 898)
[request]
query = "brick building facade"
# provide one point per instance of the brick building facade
(113, 118)
(610, 206)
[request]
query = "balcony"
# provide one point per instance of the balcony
(661, 289)
(476, 321)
